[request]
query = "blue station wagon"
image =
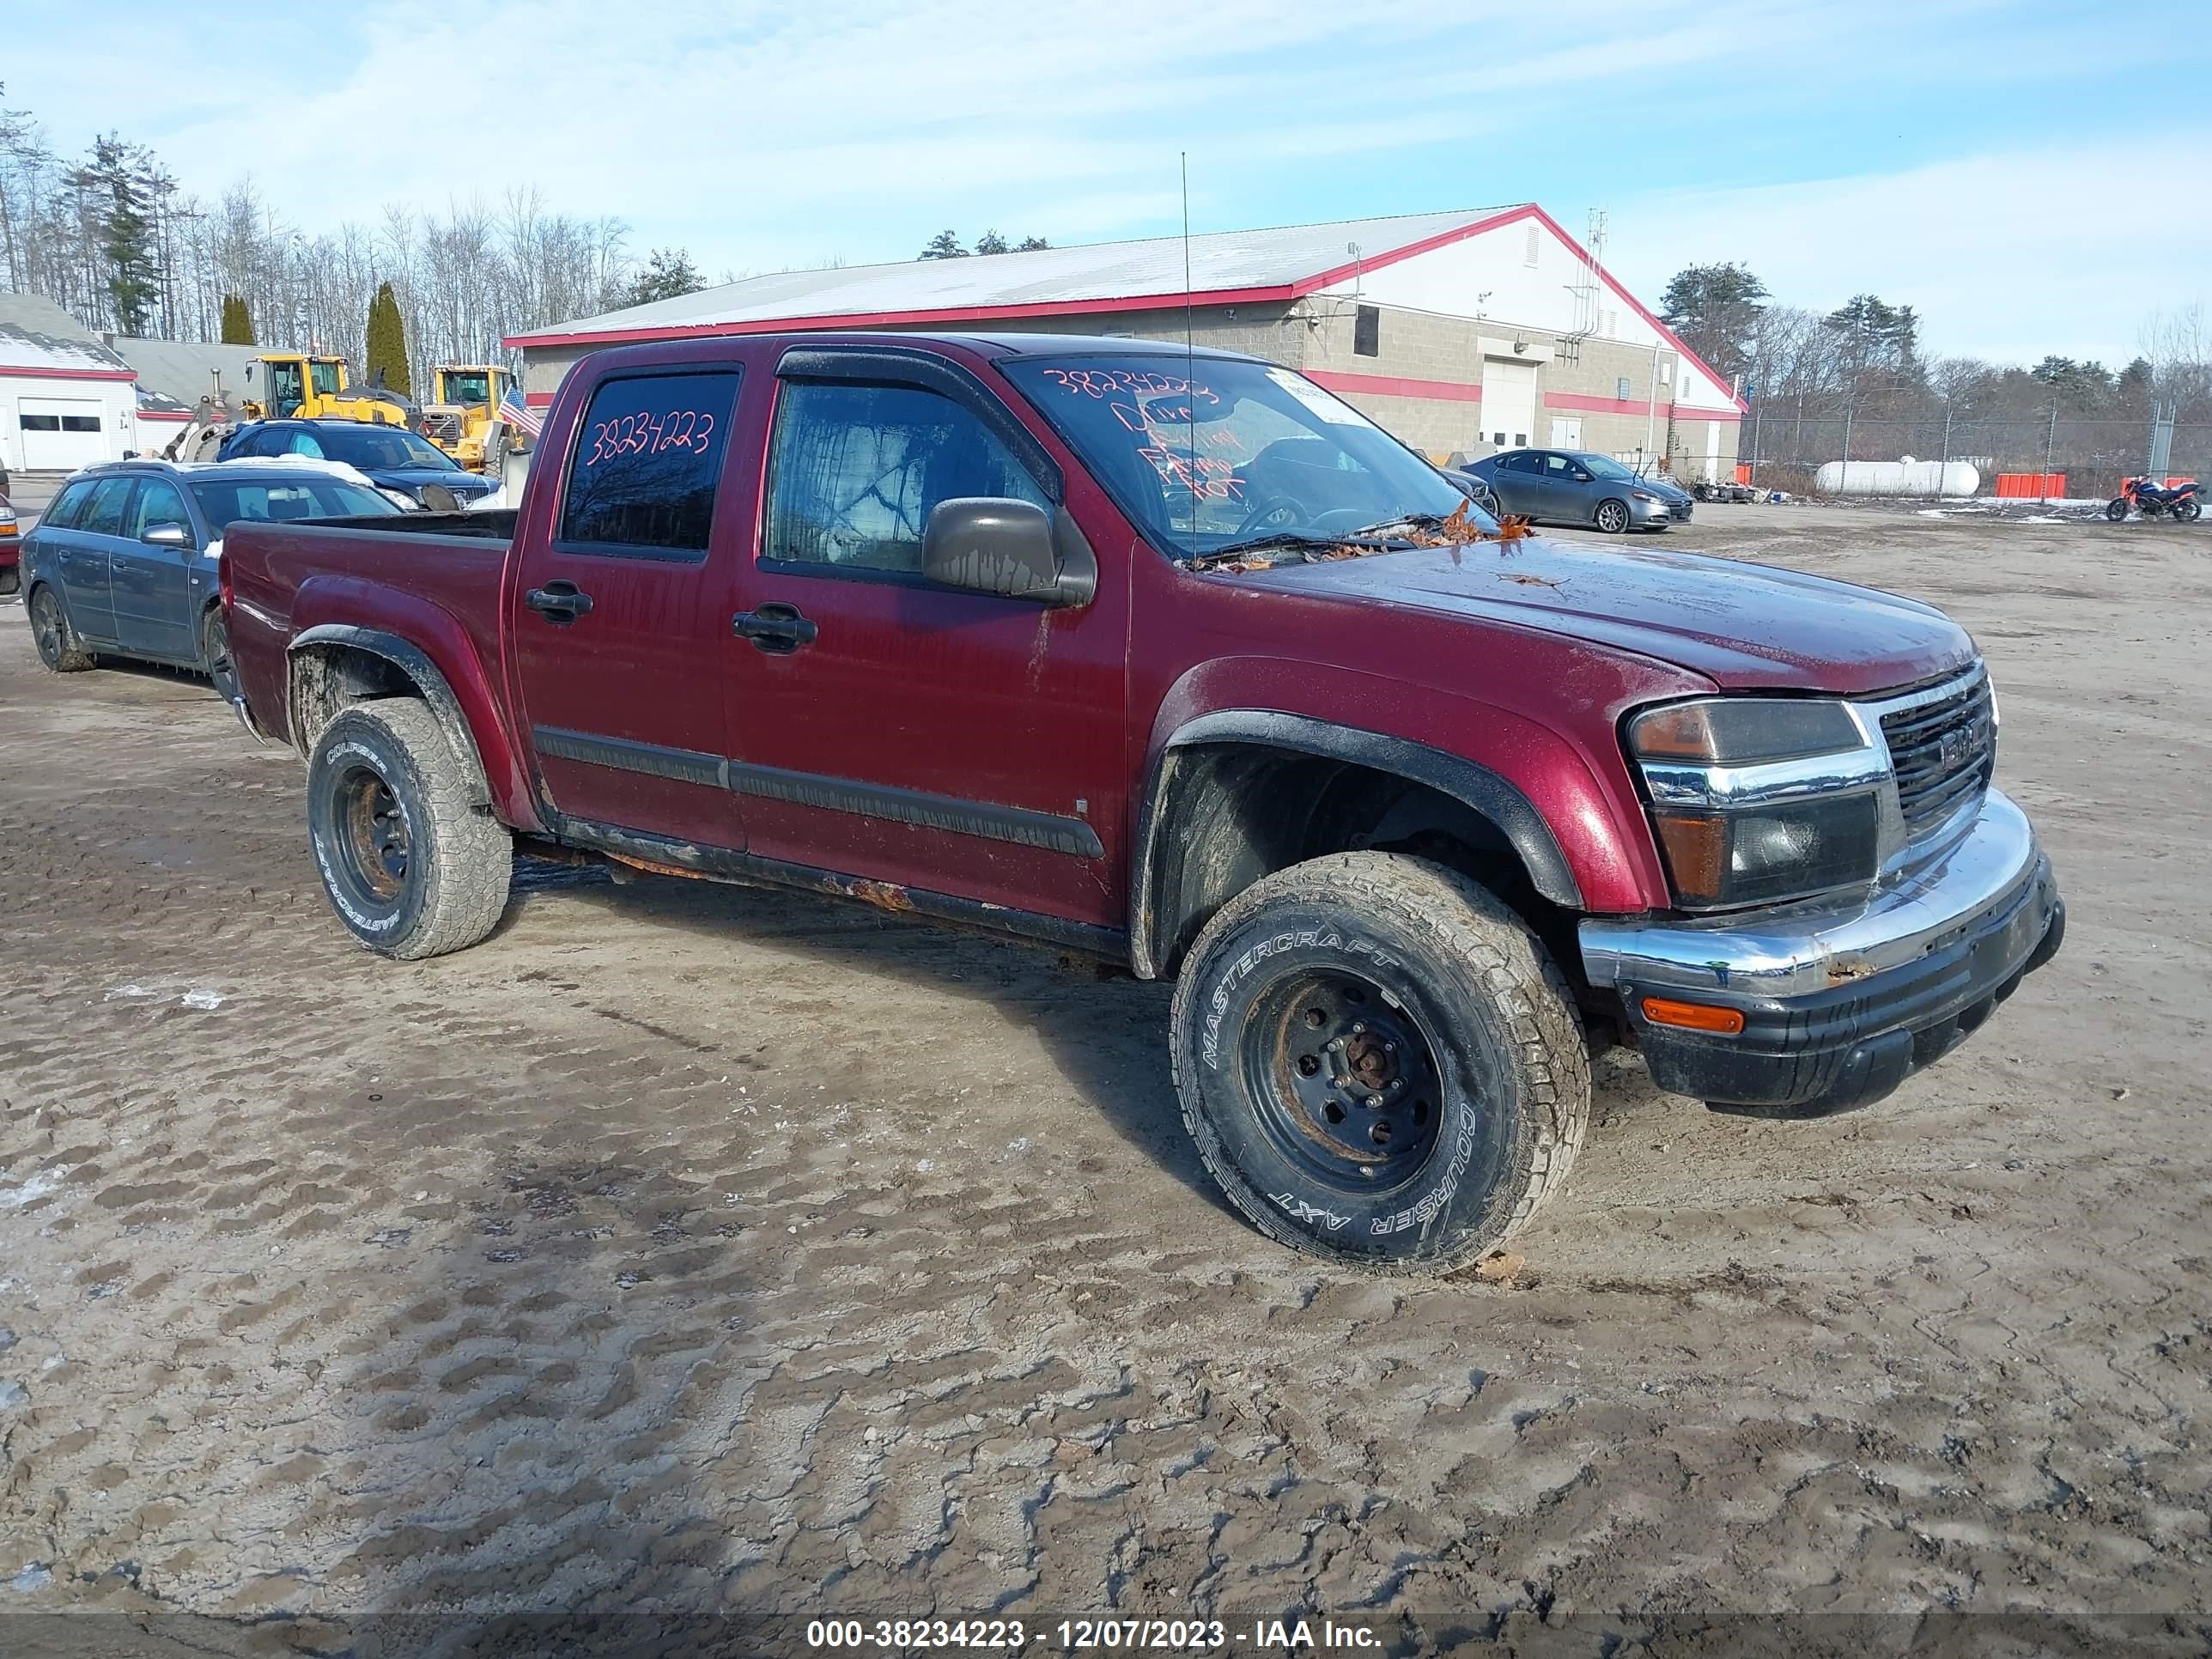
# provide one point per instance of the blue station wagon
(126, 560)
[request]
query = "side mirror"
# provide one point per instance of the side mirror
(1015, 549)
(1582, 477)
(168, 535)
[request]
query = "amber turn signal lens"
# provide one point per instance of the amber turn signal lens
(1694, 1015)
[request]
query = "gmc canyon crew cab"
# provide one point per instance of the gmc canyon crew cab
(1173, 659)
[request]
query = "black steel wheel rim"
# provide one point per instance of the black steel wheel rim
(47, 625)
(1343, 1079)
(374, 836)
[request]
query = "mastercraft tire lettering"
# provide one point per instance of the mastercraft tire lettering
(1378, 1062)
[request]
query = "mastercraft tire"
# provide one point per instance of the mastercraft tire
(1379, 1063)
(413, 867)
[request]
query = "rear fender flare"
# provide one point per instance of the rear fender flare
(1475, 785)
(429, 679)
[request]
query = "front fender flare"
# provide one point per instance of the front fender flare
(1475, 785)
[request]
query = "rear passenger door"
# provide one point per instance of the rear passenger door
(1515, 481)
(87, 560)
(152, 580)
(619, 618)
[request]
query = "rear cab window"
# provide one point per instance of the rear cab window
(648, 462)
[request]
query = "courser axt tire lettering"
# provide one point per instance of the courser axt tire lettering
(413, 867)
(1378, 1062)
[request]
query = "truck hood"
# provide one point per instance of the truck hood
(1744, 627)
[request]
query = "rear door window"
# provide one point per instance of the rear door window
(103, 515)
(648, 465)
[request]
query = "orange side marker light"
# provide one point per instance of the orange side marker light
(1694, 1015)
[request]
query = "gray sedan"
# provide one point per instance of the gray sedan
(126, 560)
(1573, 486)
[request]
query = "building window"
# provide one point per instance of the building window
(42, 424)
(80, 423)
(646, 464)
(1367, 331)
(1620, 390)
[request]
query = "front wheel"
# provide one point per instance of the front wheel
(2116, 511)
(1378, 1062)
(1613, 517)
(412, 865)
(50, 632)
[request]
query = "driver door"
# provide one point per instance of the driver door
(893, 730)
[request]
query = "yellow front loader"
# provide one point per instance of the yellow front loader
(462, 417)
(294, 385)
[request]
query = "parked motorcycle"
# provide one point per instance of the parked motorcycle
(2154, 499)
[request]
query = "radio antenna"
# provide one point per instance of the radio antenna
(1189, 359)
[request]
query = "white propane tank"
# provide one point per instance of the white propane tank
(1905, 478)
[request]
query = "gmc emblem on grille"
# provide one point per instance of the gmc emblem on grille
(1955, 749)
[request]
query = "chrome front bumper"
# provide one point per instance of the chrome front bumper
(1841, 1000)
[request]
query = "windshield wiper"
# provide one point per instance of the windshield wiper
(1363, 538)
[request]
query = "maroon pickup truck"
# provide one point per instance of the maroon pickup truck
(1175, 659)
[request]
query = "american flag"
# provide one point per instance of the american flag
(516, 413)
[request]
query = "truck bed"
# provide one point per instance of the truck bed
(434, 580)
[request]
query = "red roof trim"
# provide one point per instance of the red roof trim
(165, 415)
(856, 319)
(1426, 245)
(68, 374)
(1393, 385)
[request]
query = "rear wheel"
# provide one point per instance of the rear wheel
(2116, 511)
(50, 632)
(1378, 1062)
(1613, 517)
(2189, 511)
(411, 865)
(214, 653)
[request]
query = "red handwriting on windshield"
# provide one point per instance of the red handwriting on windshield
(1141, 401)
(650, 435)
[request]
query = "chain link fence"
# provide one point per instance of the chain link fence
(1787, 446)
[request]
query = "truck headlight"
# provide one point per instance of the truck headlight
(1758, 800)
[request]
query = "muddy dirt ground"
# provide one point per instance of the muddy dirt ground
(702, 1250)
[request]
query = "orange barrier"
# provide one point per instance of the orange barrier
(1743, 472)
(2035, 486)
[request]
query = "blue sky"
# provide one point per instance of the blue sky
(1983, 161)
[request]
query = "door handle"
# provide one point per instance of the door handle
(559, 602)
(778, 630)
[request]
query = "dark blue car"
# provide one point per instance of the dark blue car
(127, 559)
(389, 457)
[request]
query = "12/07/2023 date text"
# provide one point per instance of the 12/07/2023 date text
(1085, 1635)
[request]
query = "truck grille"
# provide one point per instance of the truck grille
(442, 428)
(1944, 749)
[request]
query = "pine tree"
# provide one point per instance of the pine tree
(946, 245)
(668, 275)
(110, 189)
(387, 344)
(237, 322)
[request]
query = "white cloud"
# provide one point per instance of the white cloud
(2008, 255)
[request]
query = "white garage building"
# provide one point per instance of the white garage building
(66, 400)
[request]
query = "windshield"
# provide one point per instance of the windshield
(326, 371)
(468, 387)
(370, 448)
(225, 500)
(1604, 466)
(1239, 450)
